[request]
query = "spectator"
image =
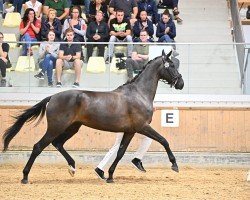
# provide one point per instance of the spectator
(172, 4)
(166, 30)
(86, 6)
(76, 23)
(48, 53)
(29, 29)
(97, 31)
(4, 59)
(129, 7)
(139, 56)
(143, 24)
(95, 6)
(16, 6)
(51, 23)
(36, 6)
(1, 8)
(68, 58)
(61, 7)
(120, 31)
(111, 155)
(150, 7)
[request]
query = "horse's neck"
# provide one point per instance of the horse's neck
(147, 82)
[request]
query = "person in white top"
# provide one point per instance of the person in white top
(111, 155)
(35, 5)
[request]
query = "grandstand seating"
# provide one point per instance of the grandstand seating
(10, 37)
(12, 20)
(206, 64)
(25, 64)
(115, 69)
(96, 65)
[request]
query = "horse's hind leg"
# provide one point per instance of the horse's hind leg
(151, 133)
(37, 149)
(61, 139)
(123, 146)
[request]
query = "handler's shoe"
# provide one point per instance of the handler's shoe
(100, 173)
(138, 164)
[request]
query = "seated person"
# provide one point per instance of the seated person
(139, 56)
(16, 6)
(143, 23)
(51, 23)
(61, 7)
(129, 7)
(76, 23)
(97, 31)
(95, 6)
(86, 6)
(171, 4)
(4, 59)
(166, 30)
(69, 57)
(150, 7)
(29, 29)
(36, 6)
(48, 53)
(120, 31)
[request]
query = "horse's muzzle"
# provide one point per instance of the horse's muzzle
(179, 84)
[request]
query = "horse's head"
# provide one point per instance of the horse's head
(169, 72)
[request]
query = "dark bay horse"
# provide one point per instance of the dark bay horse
(128, 109)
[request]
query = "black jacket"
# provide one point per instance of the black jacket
(102, 29)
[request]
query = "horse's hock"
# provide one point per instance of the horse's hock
(216, 130)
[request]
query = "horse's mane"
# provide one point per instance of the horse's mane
(144, 67)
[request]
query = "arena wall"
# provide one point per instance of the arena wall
(209, 129)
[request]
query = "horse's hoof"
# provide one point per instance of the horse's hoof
(175, 167)
(24, 181)
(71, 170)
(109, 180)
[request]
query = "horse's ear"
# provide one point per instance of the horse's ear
(169, 54)
(163, 53)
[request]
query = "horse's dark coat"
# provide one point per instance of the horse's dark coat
(128, 109)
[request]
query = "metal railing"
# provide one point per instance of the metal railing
(242, 49)
(207, 68)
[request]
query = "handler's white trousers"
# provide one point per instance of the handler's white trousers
(111, 155)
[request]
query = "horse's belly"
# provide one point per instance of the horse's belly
(105, 122)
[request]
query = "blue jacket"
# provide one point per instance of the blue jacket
(46, 27)
(161, 26)
(150, 7)
(138, 27)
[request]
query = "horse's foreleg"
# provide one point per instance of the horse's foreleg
(123, 146)
(37, 149)
(151, 133)
(61, 139)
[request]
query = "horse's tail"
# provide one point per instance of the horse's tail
(28, 115)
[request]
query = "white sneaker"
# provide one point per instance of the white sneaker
(9, 10)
